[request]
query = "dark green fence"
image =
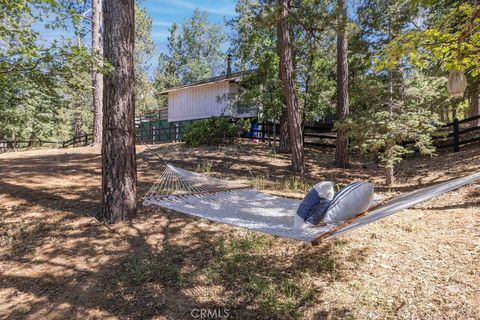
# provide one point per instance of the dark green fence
(158, 131)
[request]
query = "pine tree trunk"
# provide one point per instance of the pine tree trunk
(97, 77)
(119, 171)
(77, 124)
(389, 176)
(341, 143)
(389, 173)
(31, 140)
(284, 140)
(475, 106)
(442, 114)
(389, 168)
(291, 98)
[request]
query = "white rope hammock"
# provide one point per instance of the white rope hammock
(236, 204)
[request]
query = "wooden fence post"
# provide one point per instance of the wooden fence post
(456, 136)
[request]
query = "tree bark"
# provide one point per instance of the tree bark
(291, 97)
(119, 171)
(77, 124)
(97, 77)
(442, 114)
(389, 176)
(284, 139)
(474, 109)
(395, 93)
(389, 169)
(341, 143)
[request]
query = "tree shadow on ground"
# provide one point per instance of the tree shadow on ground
(139, 278)
(56, 165)
(59, 263)
(163, 263)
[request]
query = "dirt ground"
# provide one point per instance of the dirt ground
(57, 262)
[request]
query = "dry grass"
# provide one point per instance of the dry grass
(56, 262)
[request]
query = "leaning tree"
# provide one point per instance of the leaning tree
(119, 171)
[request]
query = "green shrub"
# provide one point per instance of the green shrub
(212, 131)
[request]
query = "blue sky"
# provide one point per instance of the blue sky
(164, 12)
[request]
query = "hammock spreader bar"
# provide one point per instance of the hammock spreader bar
(403, 202)
(235, 204)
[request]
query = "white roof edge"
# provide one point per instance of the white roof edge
(196, 85)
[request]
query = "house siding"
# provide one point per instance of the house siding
(197, 102)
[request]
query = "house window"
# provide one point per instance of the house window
(245, 108)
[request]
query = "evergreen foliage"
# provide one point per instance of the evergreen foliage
(399, 56)
(194, 52)
(213, 131)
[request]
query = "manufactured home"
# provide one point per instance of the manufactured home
(212, 97)
(207, 98)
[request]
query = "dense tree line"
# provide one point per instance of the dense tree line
(194, 52)
(48, 87)
(379, 68)
(384, 63)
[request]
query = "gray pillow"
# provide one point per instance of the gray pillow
(312, 209)
(350, 201)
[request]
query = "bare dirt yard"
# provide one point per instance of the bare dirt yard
(57, 262)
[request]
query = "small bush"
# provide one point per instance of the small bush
(213, 131)
(205, 167)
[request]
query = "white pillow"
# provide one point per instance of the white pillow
(350, 201)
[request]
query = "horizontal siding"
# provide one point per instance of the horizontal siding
(163, 113)
(197, 102)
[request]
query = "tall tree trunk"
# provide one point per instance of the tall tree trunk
(389, 169)
(291, 98)
(32, 138)
(97, 77)
(389, 176)
(395, 93)
(284, 140)
(341, 143)
(442, 114)
(119, 170)
(474, 109)
(77, 124)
